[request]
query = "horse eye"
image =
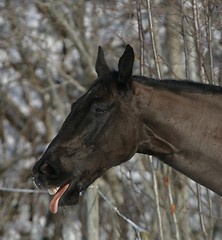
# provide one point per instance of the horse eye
(98, 110)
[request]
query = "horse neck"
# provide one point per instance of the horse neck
(159, 111)
(183, 130)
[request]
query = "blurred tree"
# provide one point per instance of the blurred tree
(47, 57)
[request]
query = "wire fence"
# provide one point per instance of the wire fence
(21, 190)
(101, 194)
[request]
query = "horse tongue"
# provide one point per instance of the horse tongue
(55, 201)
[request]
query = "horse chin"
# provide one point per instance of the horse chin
(71, 200)
(71, 195)
(74, 191)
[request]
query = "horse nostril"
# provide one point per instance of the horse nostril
(47, 169)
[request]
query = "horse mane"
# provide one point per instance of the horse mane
(169, 84)
(179, 85)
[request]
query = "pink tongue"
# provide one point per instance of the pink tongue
(55, 201)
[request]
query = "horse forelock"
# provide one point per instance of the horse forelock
(108, 83)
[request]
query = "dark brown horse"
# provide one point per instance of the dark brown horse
(179, 122)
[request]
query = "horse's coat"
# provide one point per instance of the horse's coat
(179, 122)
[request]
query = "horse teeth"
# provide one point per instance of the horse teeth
(53, 191)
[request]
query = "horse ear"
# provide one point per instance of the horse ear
(126, 66)
(102, 68)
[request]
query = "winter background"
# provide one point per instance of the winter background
(47, 56)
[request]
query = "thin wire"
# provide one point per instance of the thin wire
(21, 190)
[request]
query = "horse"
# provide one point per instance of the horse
(177, 121)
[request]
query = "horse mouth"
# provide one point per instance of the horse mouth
(57, 193)
(66, 195)
(68, 192)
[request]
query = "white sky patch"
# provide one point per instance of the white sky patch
(14, 55)
(33, 17)
(35, 100)
(3, 57)
(16, 93)
(41, 127)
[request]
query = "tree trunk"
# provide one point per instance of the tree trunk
(92, 213)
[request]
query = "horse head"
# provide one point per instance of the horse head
(95, 136)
